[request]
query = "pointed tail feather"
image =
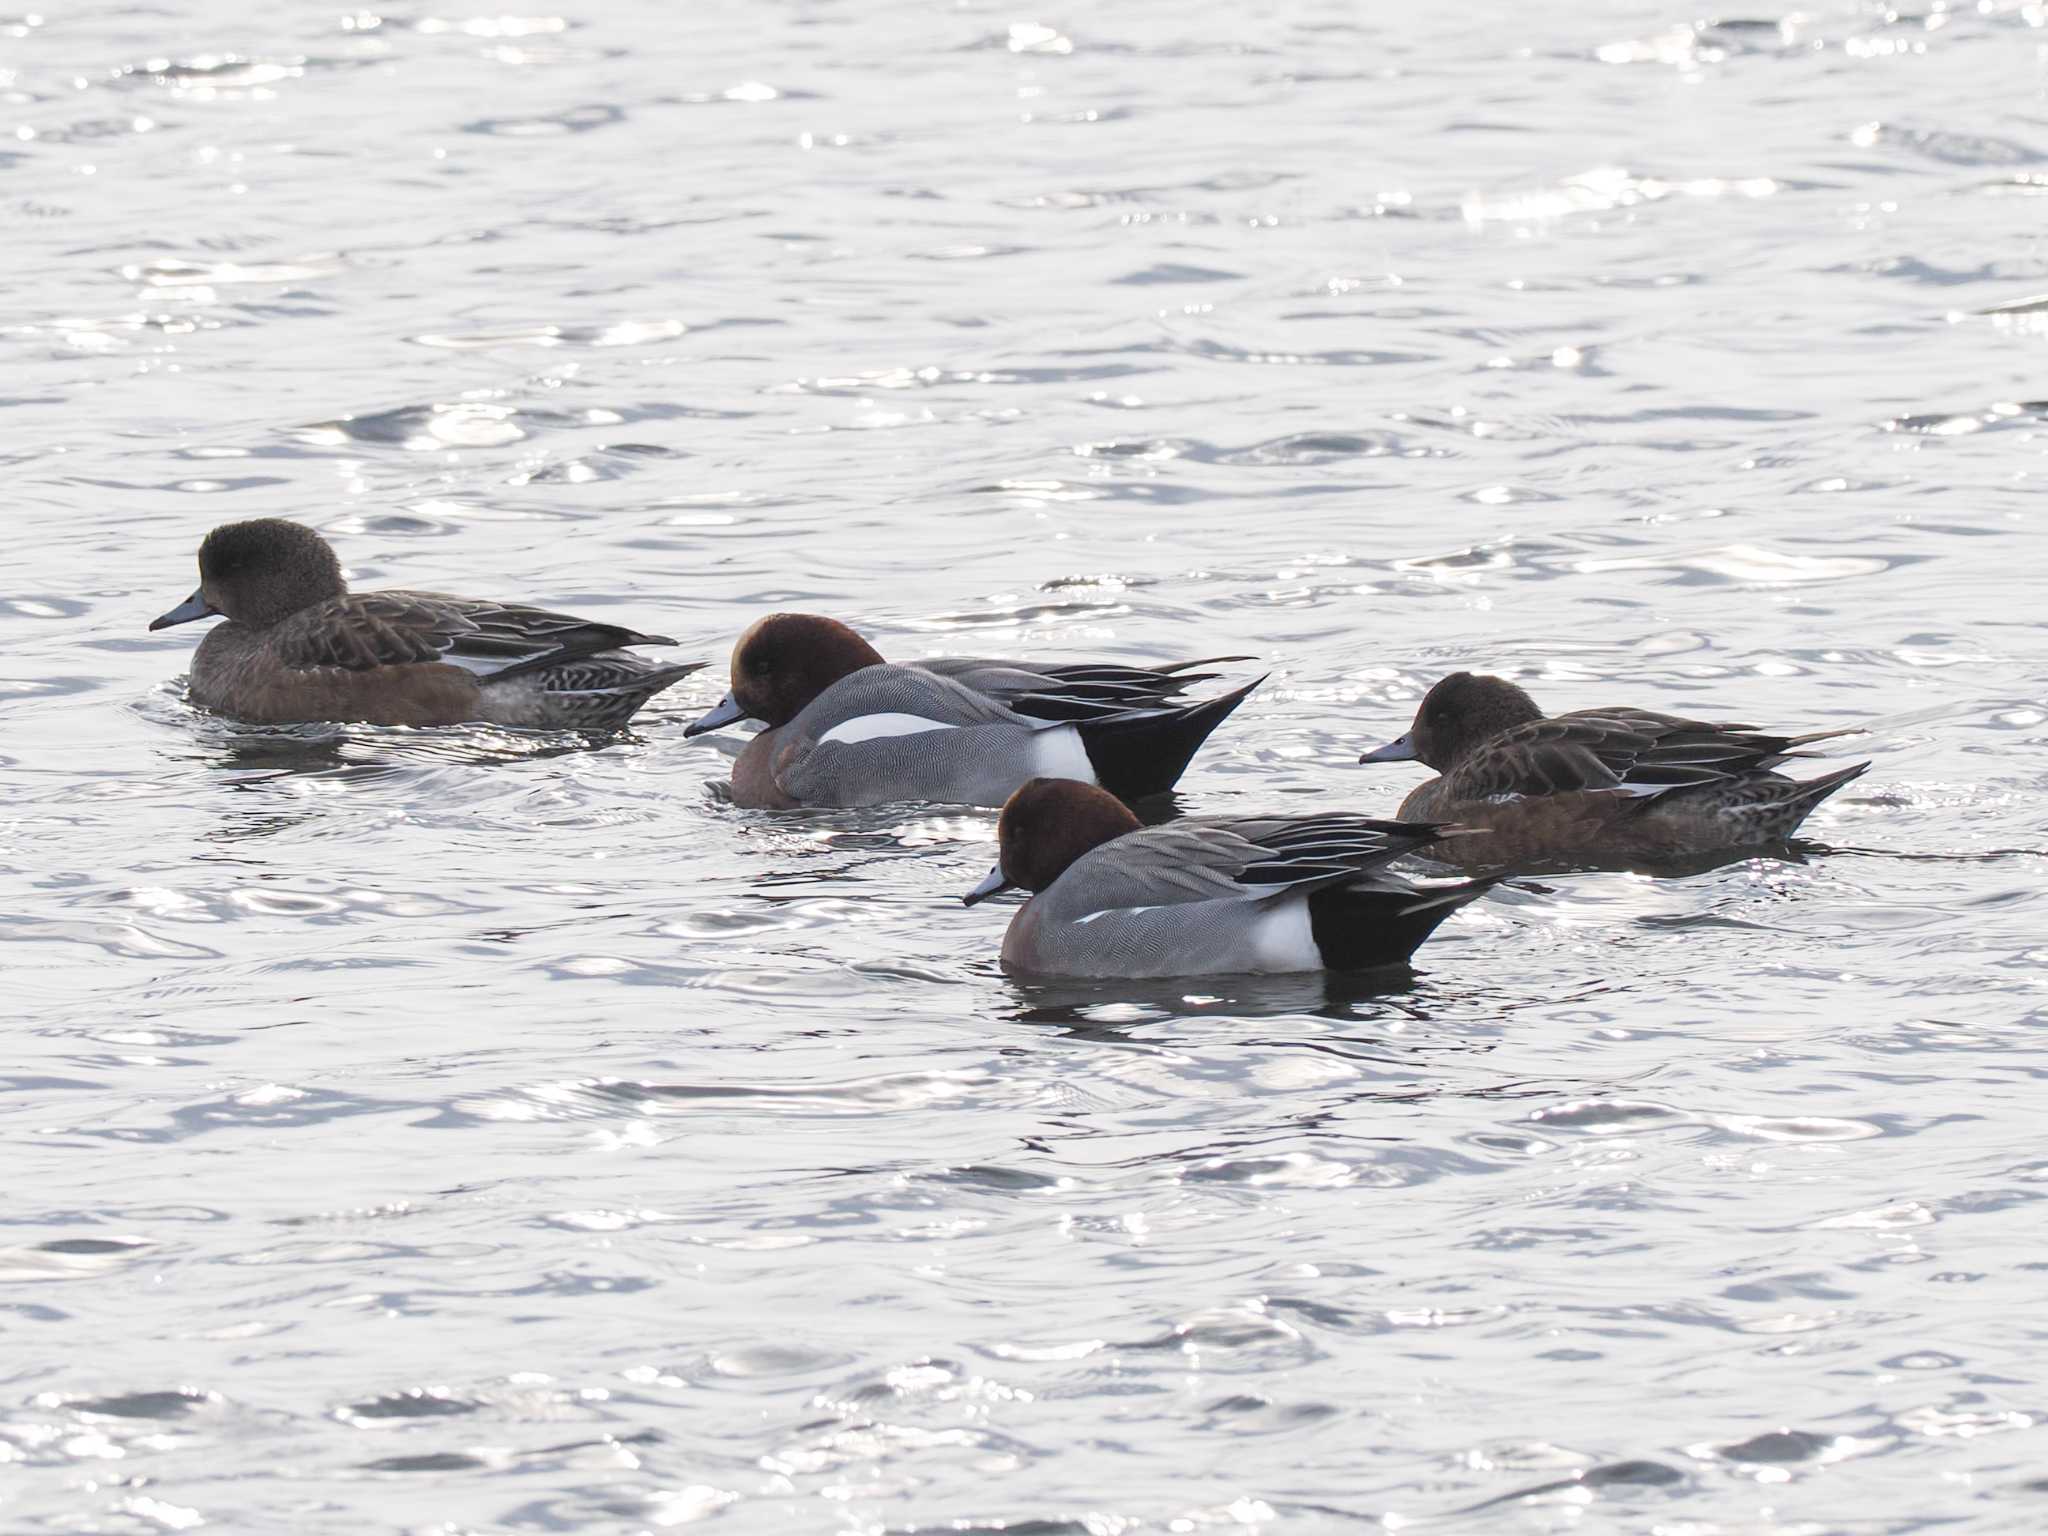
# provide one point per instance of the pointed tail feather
(1834, 735)
(604, 698)
(617, 680)
(668, 675)
(1766, 809)
(1145, 751)
(1808, 793)
(1094, 690)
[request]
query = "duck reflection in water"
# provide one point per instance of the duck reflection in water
(291, 773)
(1100, 1009)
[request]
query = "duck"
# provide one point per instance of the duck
(846, 728)
(298, 647)
(1112, 898)
(1604, 786)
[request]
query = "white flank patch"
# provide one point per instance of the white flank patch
(876, 727)
(1057, 753)
(1283, 939)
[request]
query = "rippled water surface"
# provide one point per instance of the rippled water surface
(458, 1131)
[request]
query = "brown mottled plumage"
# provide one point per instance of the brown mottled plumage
(299, 646)
(1597, 785)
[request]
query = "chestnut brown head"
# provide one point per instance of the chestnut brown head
(783, 662)
(1045, 826)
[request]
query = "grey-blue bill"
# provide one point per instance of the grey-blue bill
(994, 881)
(723, 713)
(1399, 750)
(194, 607)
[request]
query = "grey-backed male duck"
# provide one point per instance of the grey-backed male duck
(1598, 785)
(846, 728)
(1207, 895)
(299, 646)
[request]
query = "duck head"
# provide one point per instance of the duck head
(783, 662)
(1045, 826)
(259, 572)
(1457, 715)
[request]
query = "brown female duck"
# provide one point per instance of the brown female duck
(1597, 785)
(299, 646)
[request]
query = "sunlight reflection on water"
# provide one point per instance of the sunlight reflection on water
(474, 1129)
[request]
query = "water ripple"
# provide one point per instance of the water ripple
(479, 1129)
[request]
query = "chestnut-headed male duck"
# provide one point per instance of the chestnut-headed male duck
(1207, 895)
(846, 728)
(1598, 785)
(299, 646)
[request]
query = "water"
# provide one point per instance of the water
(456, 1131)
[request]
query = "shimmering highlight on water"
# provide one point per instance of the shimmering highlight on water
(448, 1131)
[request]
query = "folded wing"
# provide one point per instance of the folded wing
(1073, 691)
(1203, 858)
(497, 641)
(1629, 751)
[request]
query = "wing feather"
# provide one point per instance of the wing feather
(1632, 751)
(361, 630)
(1203, 858)
(1068, 691)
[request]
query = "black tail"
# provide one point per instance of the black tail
(1358, 927)
(1145, 751)
(1096, 690)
